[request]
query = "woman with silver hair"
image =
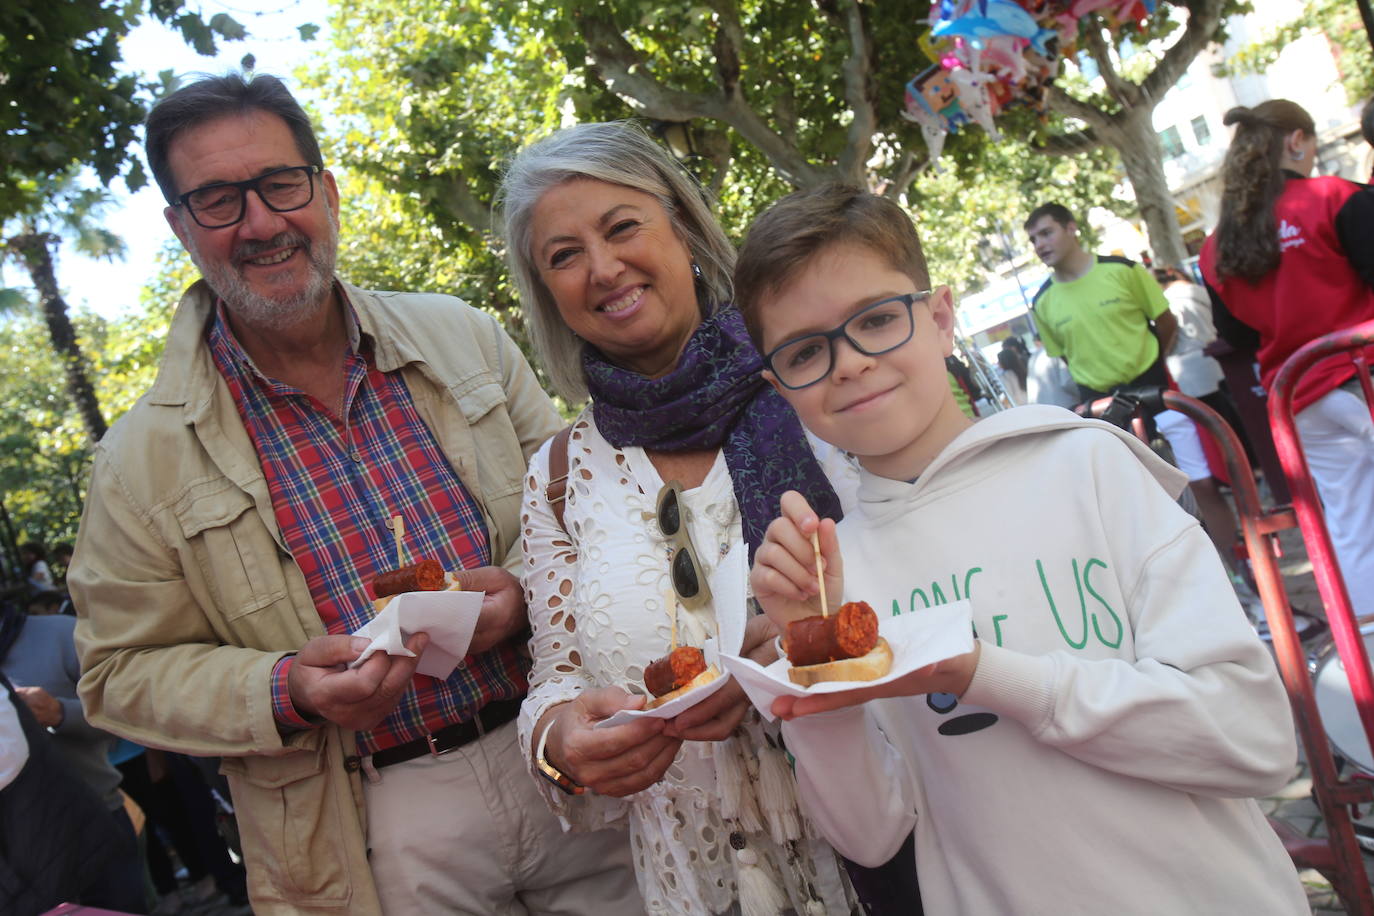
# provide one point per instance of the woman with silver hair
(673, 472)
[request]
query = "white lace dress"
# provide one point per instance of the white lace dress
(599, 614)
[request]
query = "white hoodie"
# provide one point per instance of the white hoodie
(1122, 714)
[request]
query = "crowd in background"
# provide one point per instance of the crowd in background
(158, 833)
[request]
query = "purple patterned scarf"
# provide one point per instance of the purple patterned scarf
(716, 398)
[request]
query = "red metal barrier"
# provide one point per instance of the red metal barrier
(1337, 856)
(1345, 629)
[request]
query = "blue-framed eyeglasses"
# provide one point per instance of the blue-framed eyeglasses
(872, 330)
(216, 206)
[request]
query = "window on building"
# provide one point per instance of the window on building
(1201, 131)
(1171, 142)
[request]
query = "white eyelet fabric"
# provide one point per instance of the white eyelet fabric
(599, 614)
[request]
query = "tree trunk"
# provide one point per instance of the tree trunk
(33, 248)
(10, 538)
(1143, 159)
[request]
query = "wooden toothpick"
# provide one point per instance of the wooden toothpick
(671, 597)
(820, 576)
(398, 527)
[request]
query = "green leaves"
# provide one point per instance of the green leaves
(12, 300)
(63, 101)
(44, 460)
(227, 27)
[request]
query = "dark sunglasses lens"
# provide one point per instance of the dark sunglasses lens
(685, 574)
(669, 518)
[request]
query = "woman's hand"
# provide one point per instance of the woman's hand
(760, 646)
(714, 718)
(616, 761)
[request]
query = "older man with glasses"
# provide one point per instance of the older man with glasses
(239, 509)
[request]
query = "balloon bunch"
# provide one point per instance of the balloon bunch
(993, 53)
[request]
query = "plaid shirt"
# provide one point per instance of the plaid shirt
(335, 483)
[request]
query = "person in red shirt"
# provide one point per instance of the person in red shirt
(1292, 259)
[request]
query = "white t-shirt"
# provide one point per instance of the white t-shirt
(1197, 373)
(40, 577)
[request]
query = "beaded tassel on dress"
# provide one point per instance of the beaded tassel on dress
(732, 782)
(776, 795)
(758, 895)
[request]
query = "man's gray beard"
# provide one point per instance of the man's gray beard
(266, 311)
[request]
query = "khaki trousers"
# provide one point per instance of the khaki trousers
(468, 833)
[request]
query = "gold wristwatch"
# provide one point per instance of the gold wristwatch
(552, 773)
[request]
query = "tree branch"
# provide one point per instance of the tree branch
(455, 197)
(729, 38)
(903, 174)
(1204, 18)
(715, 148)
(857, 70)
(1081, 141)
(620, 67)
(1124, 91)
(1071, 107)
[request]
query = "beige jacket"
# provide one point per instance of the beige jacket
(187, 595)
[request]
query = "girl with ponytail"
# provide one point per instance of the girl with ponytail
(1292, 258)
(1270, 139)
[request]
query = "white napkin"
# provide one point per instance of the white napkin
(449, 617)
(677, 704)
(729, 598)
(729, 595)
(917, 639)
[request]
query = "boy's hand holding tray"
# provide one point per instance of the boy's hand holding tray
(918, 640)
(799, 565)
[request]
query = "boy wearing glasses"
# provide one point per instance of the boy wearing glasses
(1096, 750)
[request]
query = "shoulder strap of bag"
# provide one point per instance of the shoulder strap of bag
(557, 490)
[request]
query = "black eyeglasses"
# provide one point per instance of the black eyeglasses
(684, 571)
(216, 206)
(872, 330)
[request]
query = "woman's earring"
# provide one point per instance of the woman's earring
(1299, 155)
(702, 291)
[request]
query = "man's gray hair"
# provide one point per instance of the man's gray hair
(616, 152)
(214, 97)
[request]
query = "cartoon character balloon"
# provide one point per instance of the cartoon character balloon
(992, 53)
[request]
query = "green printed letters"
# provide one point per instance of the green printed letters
(1080, 581)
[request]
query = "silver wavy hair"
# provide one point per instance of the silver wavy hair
(616, 152)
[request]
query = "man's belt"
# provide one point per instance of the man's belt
(450, 737)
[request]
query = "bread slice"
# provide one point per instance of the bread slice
(873, 665)
(705, 677)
